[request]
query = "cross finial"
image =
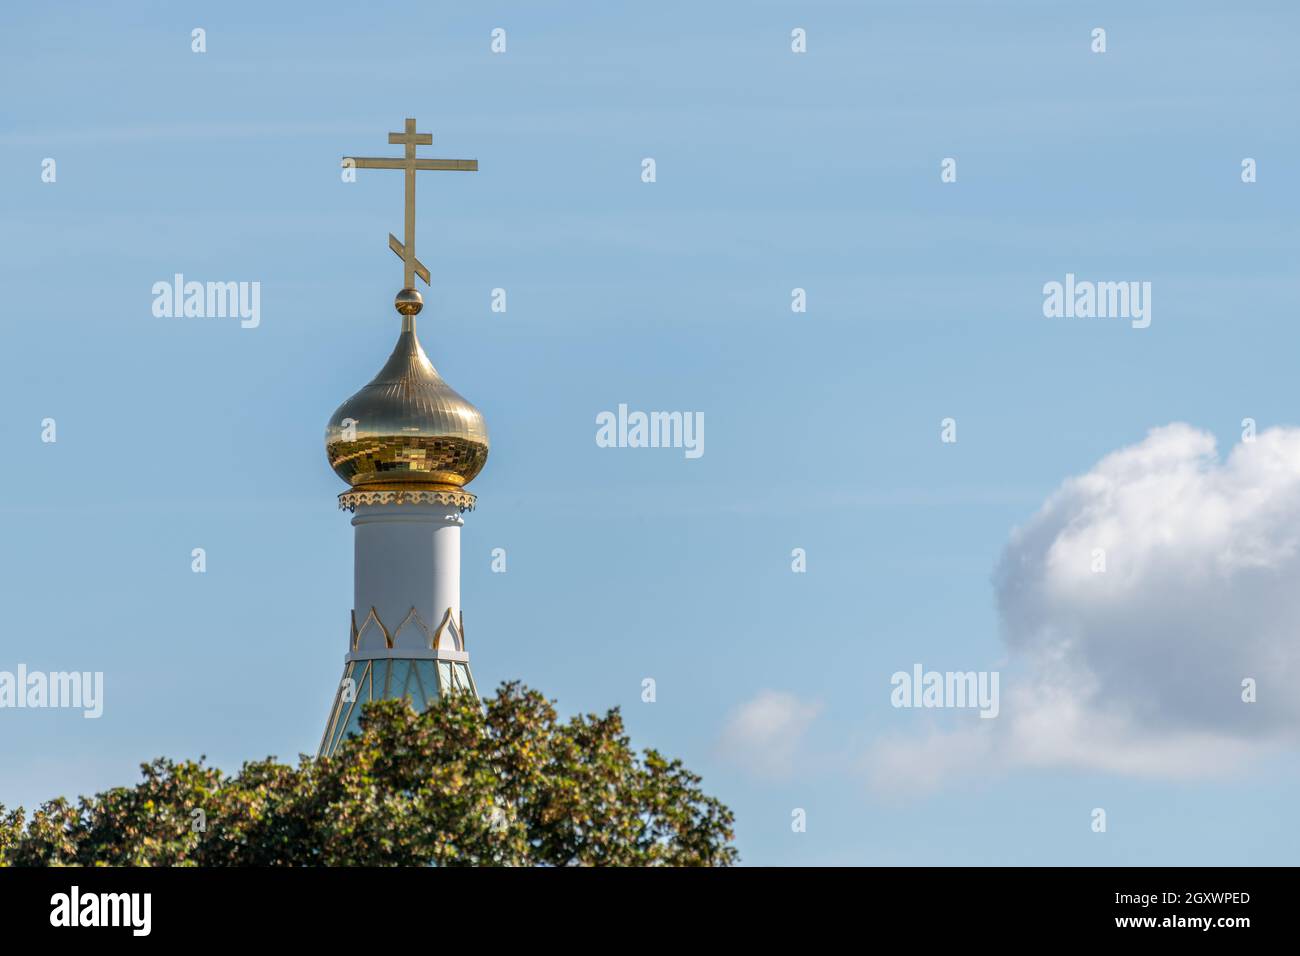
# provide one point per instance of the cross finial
(408, 300)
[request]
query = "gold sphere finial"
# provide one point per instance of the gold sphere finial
(408, 302)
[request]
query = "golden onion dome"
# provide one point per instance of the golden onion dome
(408, 428)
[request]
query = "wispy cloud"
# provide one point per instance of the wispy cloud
(765, 735)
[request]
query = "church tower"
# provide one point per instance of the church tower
(407, 445)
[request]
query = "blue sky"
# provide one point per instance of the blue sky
(774, 171)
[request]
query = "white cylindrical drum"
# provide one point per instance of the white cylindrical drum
(408, 556)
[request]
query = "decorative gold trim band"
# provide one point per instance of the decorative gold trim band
(432, 642)
(349, 500)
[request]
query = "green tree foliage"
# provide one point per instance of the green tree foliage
(467, 782)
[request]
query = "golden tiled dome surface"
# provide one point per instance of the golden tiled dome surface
(409, 428)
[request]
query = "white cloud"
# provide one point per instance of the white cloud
(764, 735)
(1138, 670)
